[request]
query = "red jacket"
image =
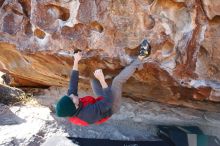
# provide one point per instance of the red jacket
(86, 101)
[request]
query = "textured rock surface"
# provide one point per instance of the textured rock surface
(27, 125)
(38, 37)
(10, 95)
(32, 124)
(211, 8)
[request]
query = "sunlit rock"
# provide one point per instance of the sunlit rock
(37, 40)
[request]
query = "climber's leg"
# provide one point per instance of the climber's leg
(126, 73)
(118, 81)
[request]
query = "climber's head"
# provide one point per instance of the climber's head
(67, 106)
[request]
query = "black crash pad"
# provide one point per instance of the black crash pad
(107, 142)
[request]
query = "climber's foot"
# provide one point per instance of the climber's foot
(145, 50)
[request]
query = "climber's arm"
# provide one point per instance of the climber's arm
(73, 84)
(106, 103)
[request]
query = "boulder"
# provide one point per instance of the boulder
(10, 95)
(38, 39)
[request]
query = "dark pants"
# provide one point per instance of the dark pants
(117, 83)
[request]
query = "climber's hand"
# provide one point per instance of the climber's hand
(99, 75)
(77, 56)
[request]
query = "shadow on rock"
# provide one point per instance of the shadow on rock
(7, 117)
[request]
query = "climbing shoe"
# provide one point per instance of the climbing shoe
(145, 48)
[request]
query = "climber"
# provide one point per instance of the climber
(89, 110)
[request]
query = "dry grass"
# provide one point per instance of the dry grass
(27, 99)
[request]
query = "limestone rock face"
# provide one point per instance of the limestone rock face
(38, 37)
(211, 8)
